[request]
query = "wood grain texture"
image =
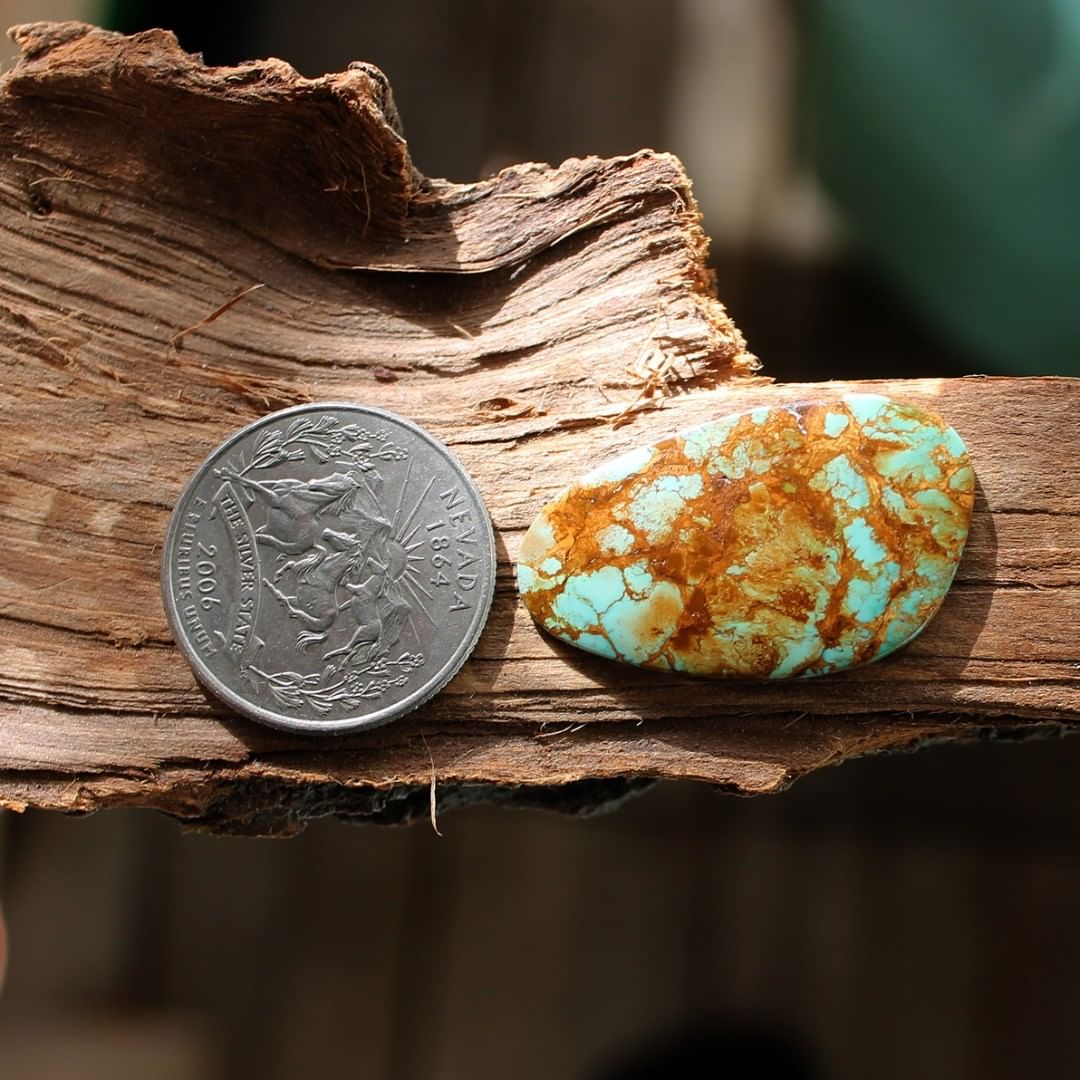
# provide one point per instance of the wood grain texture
(534, 322)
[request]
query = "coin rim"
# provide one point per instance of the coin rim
(346, 725)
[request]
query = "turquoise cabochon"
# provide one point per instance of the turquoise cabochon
(786, 541)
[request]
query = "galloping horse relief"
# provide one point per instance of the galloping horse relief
(337, 549)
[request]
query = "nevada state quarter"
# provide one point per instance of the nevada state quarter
(328, 568)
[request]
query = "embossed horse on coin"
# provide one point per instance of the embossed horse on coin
(324, 560)
(315, 602)
(293, 505)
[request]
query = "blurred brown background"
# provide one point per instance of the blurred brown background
(898, 917)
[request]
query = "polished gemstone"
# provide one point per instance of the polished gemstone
(787, 541)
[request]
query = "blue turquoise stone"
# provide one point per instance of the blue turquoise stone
(787, 541)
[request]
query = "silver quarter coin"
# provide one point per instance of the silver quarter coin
(328, 568)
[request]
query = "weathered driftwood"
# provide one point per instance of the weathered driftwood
(534, 321)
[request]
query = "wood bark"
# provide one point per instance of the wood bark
(185, 248)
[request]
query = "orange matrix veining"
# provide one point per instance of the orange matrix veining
(787, 541)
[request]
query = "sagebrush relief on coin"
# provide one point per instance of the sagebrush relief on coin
(328, 568)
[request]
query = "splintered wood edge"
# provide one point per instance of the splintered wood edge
(567, 769)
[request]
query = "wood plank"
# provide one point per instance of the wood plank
(534, 322)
